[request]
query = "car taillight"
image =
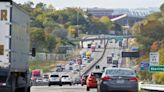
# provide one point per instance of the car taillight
(106, 78)
(133, 79)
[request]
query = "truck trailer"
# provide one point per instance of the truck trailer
(14, 48)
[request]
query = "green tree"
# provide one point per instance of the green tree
(105, 20)
(162, 8)
(38, 38)
(50, 42)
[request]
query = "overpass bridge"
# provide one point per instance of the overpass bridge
(105, 37)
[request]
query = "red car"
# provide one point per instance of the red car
(92, 80)
(83, 80)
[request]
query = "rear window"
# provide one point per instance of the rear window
(65, 76)
(54, 76)
(120, 72)
(97, 75)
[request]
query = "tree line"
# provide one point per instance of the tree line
(52, 28)
(150, 37)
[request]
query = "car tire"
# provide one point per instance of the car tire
(70, 84)
(60, 84)
(49, 85)
(82, 84)
(88, 89)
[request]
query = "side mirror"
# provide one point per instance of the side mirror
(33, 52)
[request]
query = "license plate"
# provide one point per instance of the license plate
(120, 81)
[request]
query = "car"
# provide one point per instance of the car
(45, 78)
(77, 81)
(103, 69)
(54, 79)
(66, 79)
(83, 80)
(109, 60)
(92, 78)
(40, 79)
(70, 68)
(118, 79)
(99, 46)
(71, 62)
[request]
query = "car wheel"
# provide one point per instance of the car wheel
(60, 84)
(88, 89)
(49, 85)
(82, 84)
(70, 84)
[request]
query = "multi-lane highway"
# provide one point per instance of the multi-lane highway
(75, 88)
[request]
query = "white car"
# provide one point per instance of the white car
(54, 79)
(65, 79)
(39, 79)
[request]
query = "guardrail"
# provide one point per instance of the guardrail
(152, 87)
(85, 72)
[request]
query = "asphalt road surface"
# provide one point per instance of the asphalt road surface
(65, 88)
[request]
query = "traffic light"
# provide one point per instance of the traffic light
(1, 49)
(33, 52)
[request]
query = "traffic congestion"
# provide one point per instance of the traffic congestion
(81, 46)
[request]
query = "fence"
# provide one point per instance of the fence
(48, 56)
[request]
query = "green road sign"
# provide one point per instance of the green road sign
(156, 68)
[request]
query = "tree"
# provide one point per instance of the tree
(28, 6)
(41, 6)
(60, 33)
(38, 38)
(50, 42)
(72, 31)
(162, 8)
(105, 20)
(155, 46)
(154, 16)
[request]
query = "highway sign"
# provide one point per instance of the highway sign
(144, 66)
(134, 49)
(130, 54)
(156, 68)
(154, 58)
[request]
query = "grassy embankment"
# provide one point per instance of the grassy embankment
(45, 66)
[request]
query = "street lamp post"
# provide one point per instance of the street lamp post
(77, 21)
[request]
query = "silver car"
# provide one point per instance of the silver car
(118, 79)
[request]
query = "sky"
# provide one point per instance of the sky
(99, 3)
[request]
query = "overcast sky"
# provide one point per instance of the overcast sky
(99, 3)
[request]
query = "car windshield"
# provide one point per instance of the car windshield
(36, 75)
(120, 72)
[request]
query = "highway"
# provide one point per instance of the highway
(77, 88)
(112, 47)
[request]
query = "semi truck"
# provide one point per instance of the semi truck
(14, 48)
